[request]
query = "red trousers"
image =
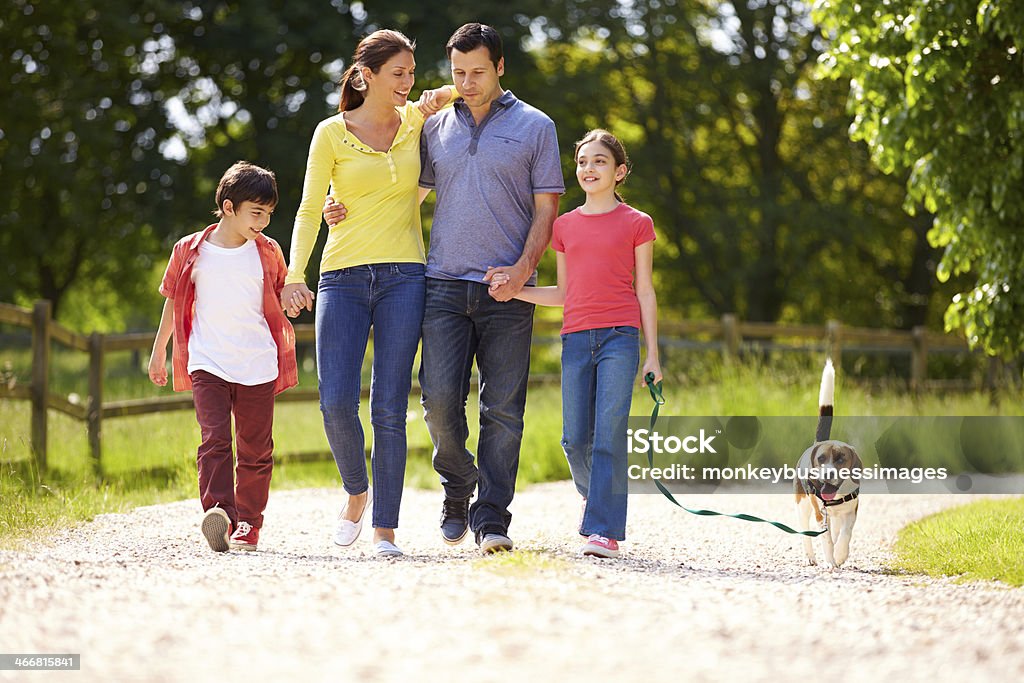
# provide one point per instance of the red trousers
(253, 407)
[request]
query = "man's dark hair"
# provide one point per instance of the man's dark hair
(469, 37)
(245, 182)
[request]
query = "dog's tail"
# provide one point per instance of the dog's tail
(826, 398)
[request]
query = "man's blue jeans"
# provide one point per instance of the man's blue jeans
(462, 322)
(598, 370)
(389, 298)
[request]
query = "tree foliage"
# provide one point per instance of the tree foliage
(81, 121)
(115, 126)
(937, 89)
(741, 155)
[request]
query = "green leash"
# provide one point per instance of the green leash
(659, 400)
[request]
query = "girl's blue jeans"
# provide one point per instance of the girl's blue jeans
(389, 298)
(599, 367)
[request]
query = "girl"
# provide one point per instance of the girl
(371, 273)
(599, 248)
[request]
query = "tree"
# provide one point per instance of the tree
(81, 122)
(767, 209)
(115, 125)
(937, 90)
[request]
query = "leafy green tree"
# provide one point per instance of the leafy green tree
(115, 125)
(82, 91)
(269, 72)
(937, 89)
(767, 209)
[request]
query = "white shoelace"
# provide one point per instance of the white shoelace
(243, 529)
(594, 538)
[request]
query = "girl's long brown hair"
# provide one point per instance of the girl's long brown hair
(372, 52)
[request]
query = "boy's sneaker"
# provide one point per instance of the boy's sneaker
(599, 546)
(217, 529)
(495, 543)
(246, 537)
(454, 520)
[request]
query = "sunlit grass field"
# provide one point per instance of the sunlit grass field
(151, 459)
(980, 540)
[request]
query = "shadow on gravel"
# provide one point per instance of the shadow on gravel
(785, 573)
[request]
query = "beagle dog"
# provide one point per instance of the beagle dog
(832, 500)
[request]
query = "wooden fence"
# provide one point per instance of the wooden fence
(729, 335)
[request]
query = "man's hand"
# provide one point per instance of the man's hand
(295, 297)
(158, 367)
(334, 212)
(506, 281)
(496, 278)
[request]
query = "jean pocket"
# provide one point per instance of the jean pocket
(627, 331)
(411, 270)
(334, 275)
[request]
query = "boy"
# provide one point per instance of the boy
(233, 346)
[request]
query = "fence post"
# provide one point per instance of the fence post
(992, 376)
(730, 336)
(94, 416)
(40, 380)
(918, 359)
(834, 335)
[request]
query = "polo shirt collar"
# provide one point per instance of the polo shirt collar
(506, 100)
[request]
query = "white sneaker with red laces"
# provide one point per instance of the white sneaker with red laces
(600, 546)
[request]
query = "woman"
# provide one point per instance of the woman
(371, 274)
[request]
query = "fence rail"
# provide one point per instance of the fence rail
(727, 334)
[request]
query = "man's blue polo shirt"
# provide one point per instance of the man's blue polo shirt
(485, 177)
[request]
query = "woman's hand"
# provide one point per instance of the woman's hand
(295, 297)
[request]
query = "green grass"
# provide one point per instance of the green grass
(522, 562)
(980, 540)
(151, 459)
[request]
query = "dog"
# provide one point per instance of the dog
(833, 501)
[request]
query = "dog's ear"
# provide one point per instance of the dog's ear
(854, 459)
(816, 450)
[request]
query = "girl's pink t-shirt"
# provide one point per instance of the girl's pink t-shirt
(599, 265)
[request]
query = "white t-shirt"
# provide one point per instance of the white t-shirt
(230, 337)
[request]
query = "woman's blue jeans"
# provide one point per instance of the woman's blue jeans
(389, 298)
(598, 370)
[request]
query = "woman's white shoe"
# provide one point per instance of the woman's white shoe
(387, 549)
(348, 531)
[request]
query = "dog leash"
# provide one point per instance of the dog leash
(659, 400)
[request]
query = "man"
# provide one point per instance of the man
(493, 161)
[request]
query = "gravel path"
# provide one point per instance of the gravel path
(141, 597)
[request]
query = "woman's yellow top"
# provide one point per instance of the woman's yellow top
(380, 193)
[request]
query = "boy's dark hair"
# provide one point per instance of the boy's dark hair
(245, 182)
(469, 37)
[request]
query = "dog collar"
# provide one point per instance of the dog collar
(838, 501)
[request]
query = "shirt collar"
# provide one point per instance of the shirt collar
(506, 100)
(262, 241)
